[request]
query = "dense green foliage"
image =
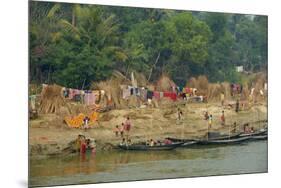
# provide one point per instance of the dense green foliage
(73, 45)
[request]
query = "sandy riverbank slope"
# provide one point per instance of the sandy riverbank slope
(49, 135)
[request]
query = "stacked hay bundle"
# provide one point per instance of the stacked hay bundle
(258, 83)
(245, 92)
(113, 92)
(225, 88)
(202, 85)
(165, 84)
(51, 99)
(141, 79)
(214, 91)
(192, 83)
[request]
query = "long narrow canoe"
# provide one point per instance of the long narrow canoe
(263, 132)
(143, 147)
(225, 141)
(259, 137)
(221, 137)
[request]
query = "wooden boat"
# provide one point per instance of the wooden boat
(224, 142)
(180, 140)
(143, 147)
(259, 137)
(221, 137)
(189, 143)
(224, 137)
(262, 132)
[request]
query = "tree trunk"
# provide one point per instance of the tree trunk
(156, 61)
(73, 17)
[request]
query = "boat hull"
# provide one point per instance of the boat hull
(150, 148)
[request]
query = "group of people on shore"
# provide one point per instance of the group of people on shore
(209, 117)
(83, 144)
(124, 130)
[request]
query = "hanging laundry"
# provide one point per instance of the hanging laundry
(126, 93)
(32, 99)
(71, 93)
(143, 93)
(149, 94)
(156, 94)
(161, 94)
(136, 91)
(171, 95)
(89, 98)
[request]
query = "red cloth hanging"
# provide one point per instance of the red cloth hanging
(171, 95)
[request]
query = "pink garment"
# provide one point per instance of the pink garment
(126, 93)
(156, 94)
(89, 98)
(73, 92)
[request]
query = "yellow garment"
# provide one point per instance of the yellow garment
(78, 121)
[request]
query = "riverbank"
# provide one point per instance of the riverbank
(48, 135)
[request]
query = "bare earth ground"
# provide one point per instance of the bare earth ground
(49, 135)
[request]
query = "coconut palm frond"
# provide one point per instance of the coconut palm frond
(53, 10)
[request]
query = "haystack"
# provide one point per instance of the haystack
(51, 99)
(225, 88)
(258, 83)
(202, 84)
(165, 84)
(113, 92)
(245, 92)
(214, 91)
(192, 83)
(141, 79)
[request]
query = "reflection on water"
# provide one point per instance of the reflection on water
(128, 165)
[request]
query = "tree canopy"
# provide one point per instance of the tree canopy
(73, 44)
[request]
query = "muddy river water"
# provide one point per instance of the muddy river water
(112, 166)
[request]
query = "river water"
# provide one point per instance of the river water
(117, 165)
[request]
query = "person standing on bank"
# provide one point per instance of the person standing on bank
(237, 105)
(128, 126)
(222, 99)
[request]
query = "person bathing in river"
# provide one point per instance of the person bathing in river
(78, 143)
(222, 118)
(83, 146)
